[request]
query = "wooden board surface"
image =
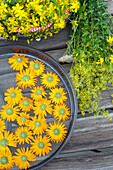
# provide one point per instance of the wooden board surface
(94, 161)
(91, 134)
(85, 148)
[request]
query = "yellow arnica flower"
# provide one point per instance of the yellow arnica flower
(6, 140)
(18, 62)
(111, 58)
(26, 104)
(2, 125)
(61, 23)
(42, 107)
(101, 61)
(23, 157)
(50, 80)
(37, 67)
(74, 23)
(38, 92)
(110, 40)
(13, 95)
(9, 112)
(56, 131)
(6, 159)
(58, 95)
(61, 112)
(41, 145)
(26, 79)
(38, 125)
(75, 5)
(23, 119)
(23, 134)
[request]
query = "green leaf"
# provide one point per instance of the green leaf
(82, 8)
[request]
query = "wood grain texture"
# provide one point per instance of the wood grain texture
(56, 54)
(95, 161)
(90, 134)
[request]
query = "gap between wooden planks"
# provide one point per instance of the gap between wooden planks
(89, 161)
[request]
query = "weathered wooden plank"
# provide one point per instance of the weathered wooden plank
(67, 67)
(5, 67)
(107, 93)
(90, 134)
(56, 54)
(106, 103)
(7, 81)
(110, 6)
(58, 41)
(95, 161)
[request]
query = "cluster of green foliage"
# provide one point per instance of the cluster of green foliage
(92, 51)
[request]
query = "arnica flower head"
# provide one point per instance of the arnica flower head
(56, 131)
(26, 79)
(6, 159)
(18, 62)
(13, 95)
(24, 157)
(41, 145)
(38, 125)
(110, 40)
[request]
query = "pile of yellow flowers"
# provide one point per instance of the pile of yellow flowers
(34, 136)
(34, 18)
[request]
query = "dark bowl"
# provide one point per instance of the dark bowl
(7, 80)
